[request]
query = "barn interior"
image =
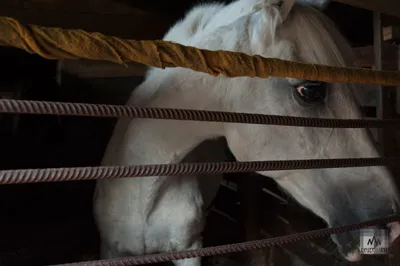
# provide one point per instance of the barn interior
(52, 223)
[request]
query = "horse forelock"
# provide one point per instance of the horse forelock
(319, 41)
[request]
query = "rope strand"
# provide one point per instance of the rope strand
(107, 172)
(101, 110)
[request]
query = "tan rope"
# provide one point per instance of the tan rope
(56, 43)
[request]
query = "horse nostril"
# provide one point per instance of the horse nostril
(354, 256)
(394, 231)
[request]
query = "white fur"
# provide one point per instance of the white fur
(157, 214)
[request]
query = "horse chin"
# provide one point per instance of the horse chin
(394, 233)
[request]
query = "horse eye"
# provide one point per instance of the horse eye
(311, 91)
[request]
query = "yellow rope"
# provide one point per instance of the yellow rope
(56, 43)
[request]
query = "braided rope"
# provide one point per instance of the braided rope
(239, 247)
(56, 43)
(99, 110)
(107, 172)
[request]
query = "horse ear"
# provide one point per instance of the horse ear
(318, 4)
(284, 6)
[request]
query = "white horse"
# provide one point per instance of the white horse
(158, 214)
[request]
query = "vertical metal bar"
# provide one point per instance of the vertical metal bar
(377, 28)
(398, 87)
(386, 106)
